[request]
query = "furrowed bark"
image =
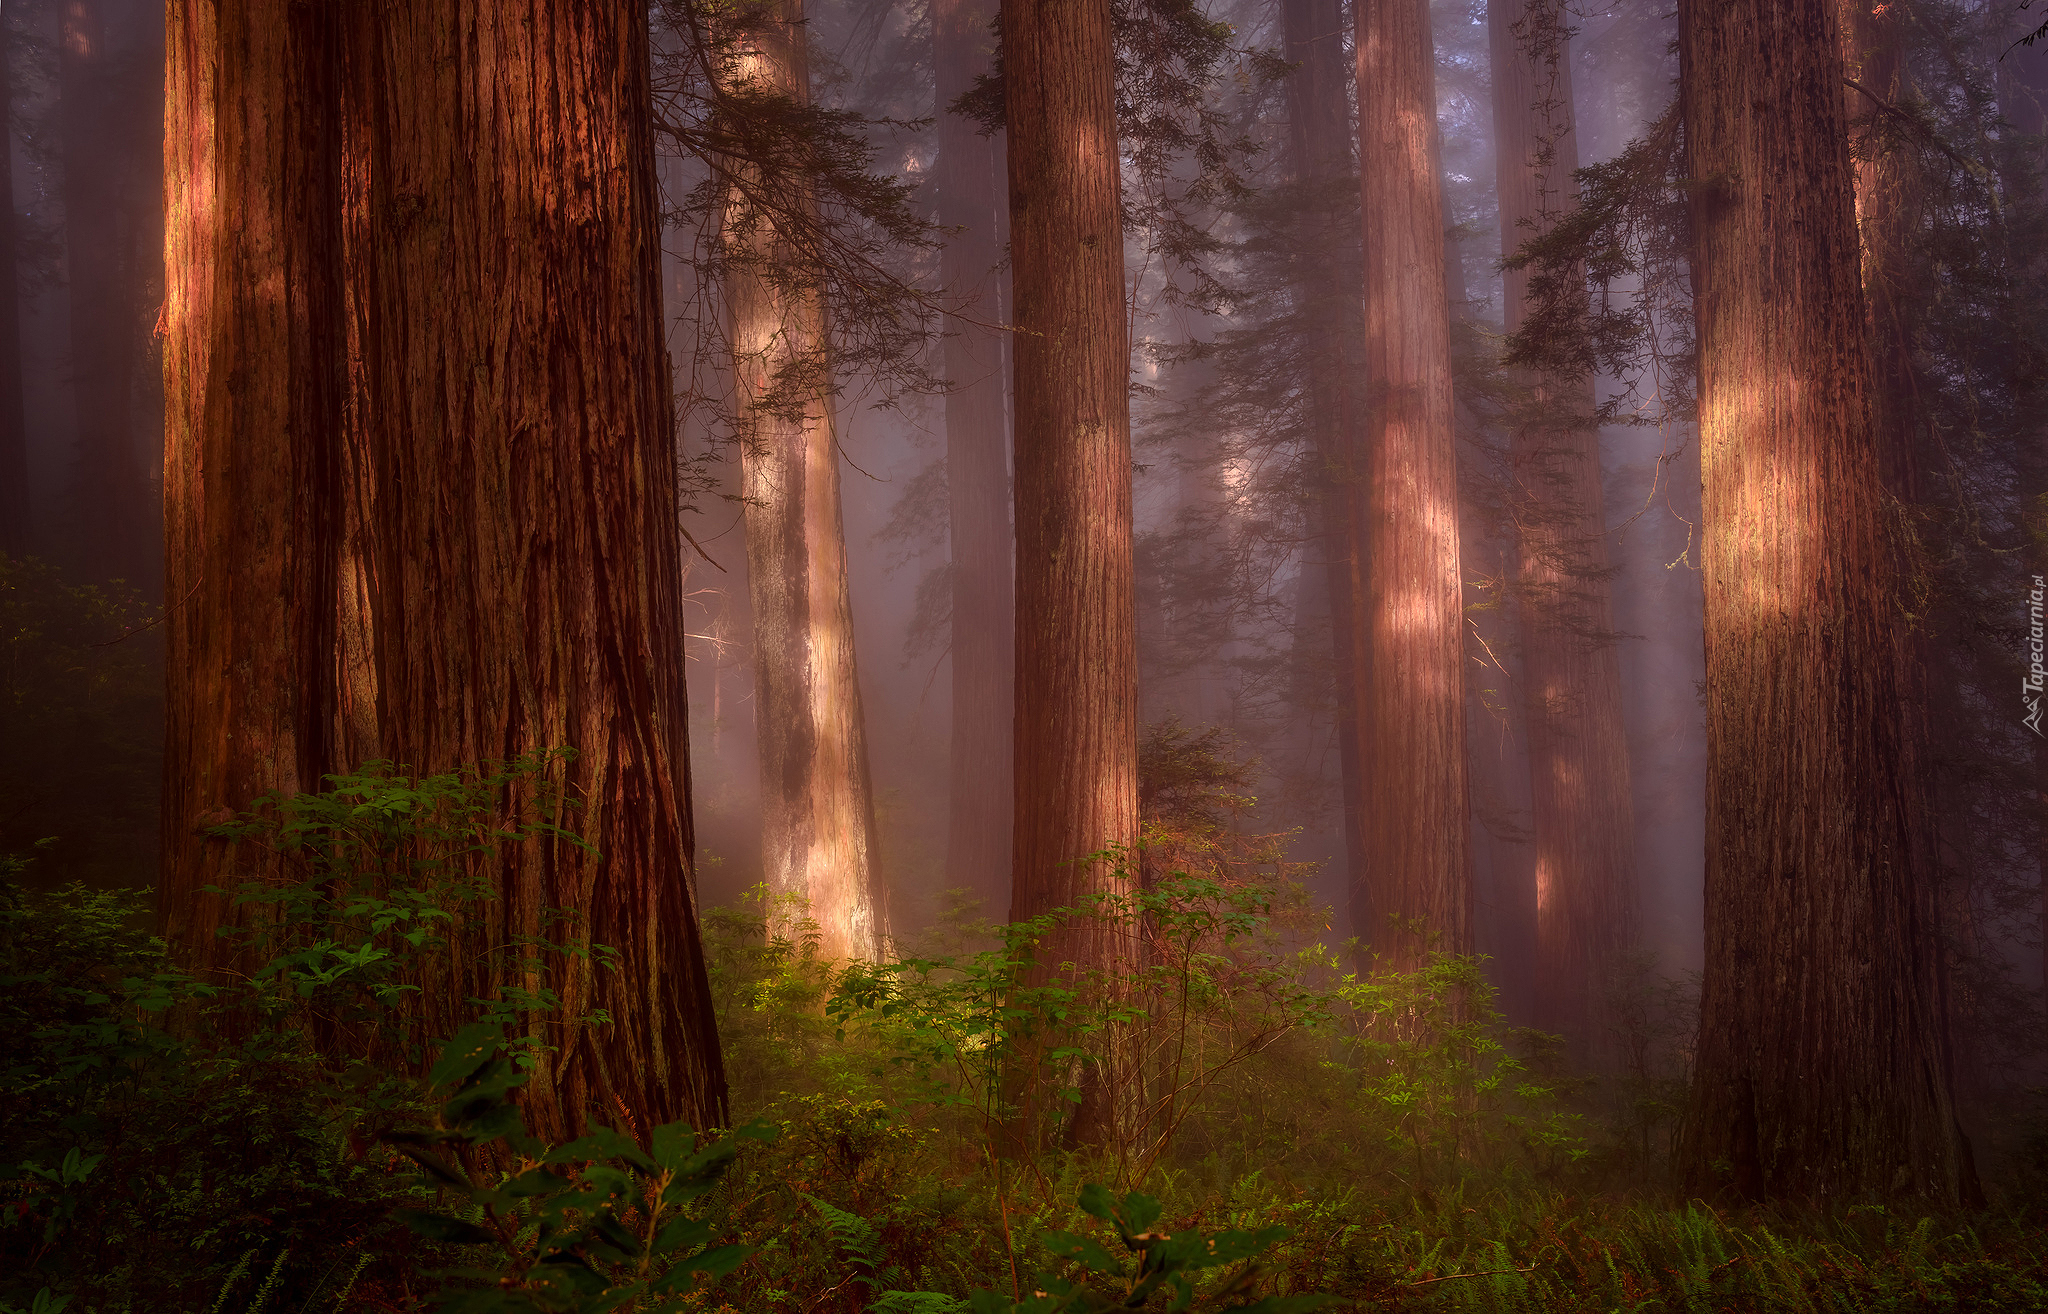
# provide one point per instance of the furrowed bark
(515, 422)
(1822, 1066)
(252, 428)
(1076, 694)
(1076, 726)
(1416, 895)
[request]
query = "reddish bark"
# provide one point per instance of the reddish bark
(1581, 806)
(104, 252)
(1409, 634)
(514, 419)
(253, 406)
(1319, 129)
(1076, 694)
(14, 513)
(1822, 1064)
(817, 813)
(969, 187)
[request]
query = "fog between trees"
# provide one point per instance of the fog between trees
(876, 436)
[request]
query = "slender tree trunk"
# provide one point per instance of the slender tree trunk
(1578, 752)
(111, 488)
(253, 410)
(817, 809)
(970, 196)
(1822, 1067)
(14, 510)
(516, 423)
(1076, 717)
(2023, 102)
(1076, 726)
(1319, 123)
(1503, 853)
(1410, 633)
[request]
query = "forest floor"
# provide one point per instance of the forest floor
(1243, 1120)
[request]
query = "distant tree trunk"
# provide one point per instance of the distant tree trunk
(253, 413)
(1503, 856)
(1077, 696)
(817, 808)
(1822, 1064)
(2023, 101)
(14, 512)
(111, 484)
(1417, 890)
(1319, 123)
(517, 427)
(970, 197)
(1581, 804)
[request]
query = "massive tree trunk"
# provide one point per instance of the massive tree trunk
(970, 197)
(512, 393)
(1581, 806)
(1822, 1065)
(1410, 633)
(110, 487)
(1319, 132)
(14, 513)
(817, 809)
(253, 405)
(1077, 663)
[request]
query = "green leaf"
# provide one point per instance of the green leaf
(1084, 1250)
(672, 1143)
(440, 1227)
(680, 1232)
(715, 1263)
(472, 1047)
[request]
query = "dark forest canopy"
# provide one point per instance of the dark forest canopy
(868, 654)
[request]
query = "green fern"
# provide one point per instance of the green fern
(860, 1246)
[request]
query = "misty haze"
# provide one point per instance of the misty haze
(1024, 656)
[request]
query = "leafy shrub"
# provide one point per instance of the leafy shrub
(594, 1225)
(81, 725)
(365, 929)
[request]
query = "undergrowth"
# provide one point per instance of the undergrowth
(1280, 1125)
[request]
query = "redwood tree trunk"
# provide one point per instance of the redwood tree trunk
(516, 424)
(1319, 123)
(14, 513)
(970, 196)
(1077, 670)
(252, 424)
(1410, 633)
(1076, 725)
(103, 276)
(2023, 101)
(817, 809)
(1581, 806)
(1822, 1066)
